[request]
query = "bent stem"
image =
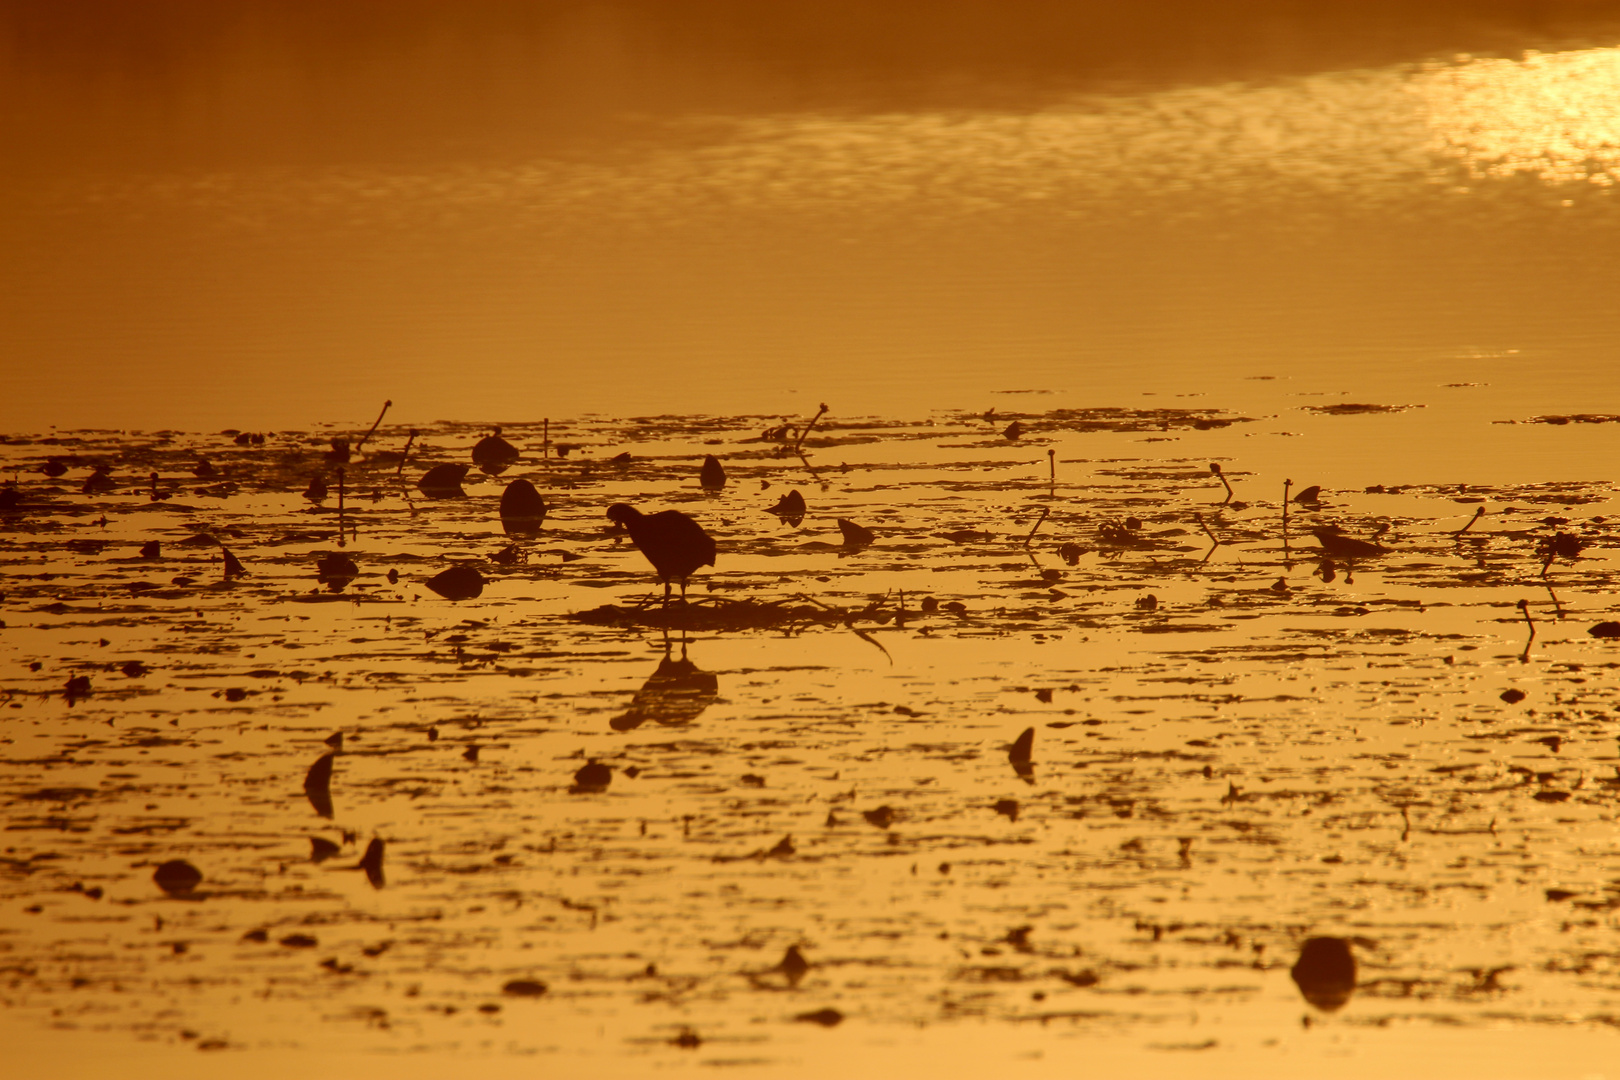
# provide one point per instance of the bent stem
(819, 413)
(367, 435)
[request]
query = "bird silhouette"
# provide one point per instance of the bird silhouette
(674, 543)
(675, 694)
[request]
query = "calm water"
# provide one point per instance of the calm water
(1373, 251)
(286, 219)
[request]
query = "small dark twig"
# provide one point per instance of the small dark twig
(367, 435)
(1558, 607)
(399, 472)
(1202, 524)
(1045, 510)
(819, 413)
(1524, 607)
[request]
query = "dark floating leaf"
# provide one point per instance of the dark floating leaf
(1013, 431)
(790, 506)
(855, 536)
(510, 555)
(524, 988)
(1555, 895)
(494, 454)
(99, 482)
(713, 475)
(321, 849)
(77, 686)
(177, 877)
(1021, 754)
(10, 497)
(335, 570)
(824, 1017)
(522, 509)
(1325, 972)
(151, 550)
(460, 582)
(783, 849)
(443, 481)
(1008, 808)
(1512, 696)
(335, 740)
(317, 489)
(687, 1040)
(882, 817)
(372, 863)
(593, 776)
(1023, 747)
(54, 467)
(1070, 553)
(793, 965)
(134, 669)
(1312, 494)
(204, 470)
(1551, 796)
(1605, 630)
(318, 785)
(233, 566)
(299, 941)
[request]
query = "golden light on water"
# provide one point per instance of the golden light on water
(1551, 116)
(1043, 742)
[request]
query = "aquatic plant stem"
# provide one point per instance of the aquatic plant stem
(1045, 511)
(386, 405)
(406, 453)
(819, 413)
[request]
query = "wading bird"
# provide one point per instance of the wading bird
(674, 543)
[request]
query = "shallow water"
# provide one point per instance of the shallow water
(1254, 755)
(1371, 251)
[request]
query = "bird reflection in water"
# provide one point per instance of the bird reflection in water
(673, 695)
(1326, 972)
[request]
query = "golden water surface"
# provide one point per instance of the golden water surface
(1064, 305)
